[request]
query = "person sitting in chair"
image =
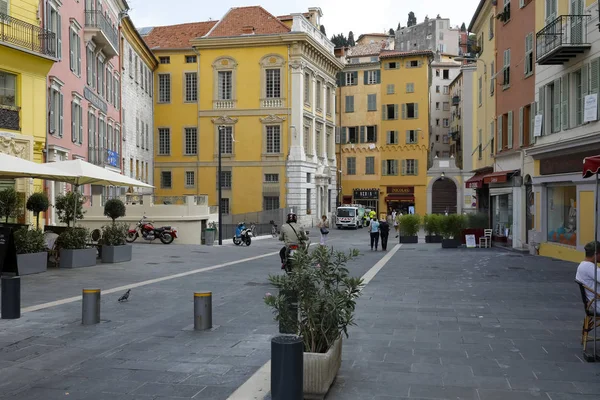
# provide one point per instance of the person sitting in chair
(585, 270)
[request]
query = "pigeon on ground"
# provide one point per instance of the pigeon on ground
(125, 297)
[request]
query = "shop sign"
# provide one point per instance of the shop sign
(401, 189)
(474, 185)
(564, 164)
(94, 99)
(366, 194)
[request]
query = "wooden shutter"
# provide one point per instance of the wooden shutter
(71, 51)
(395, 111)
(407, 136)
(61, 114)
(403, 167)
(78, 55)
(492, 80)
(395, 136)
(366, 77)
(584, 86)
(520, 126)
(355, 73)
(556, 105)
(384, 168)
(375, 134)
(416, 110)
(509, 130)
(339, 78)
(532, 113)
(420, 63)
(377, 76)
(384, 112)
(362, 134)
(51, 119)
(388, 137)
(499, 135)
(594, 75)
(403, 111)
(80, 139)
(73, 126)
(542, 108)
(395, 166)
(416, 162)
(343, 136)
(386, 65)
(59, 35)
(564, 104)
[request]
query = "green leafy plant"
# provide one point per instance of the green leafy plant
(114, 208)
(10, 204)
(38, 203)
(73, 239)
(65, 207)
(409, 224)
(114, 234)
(29, 241)
(477, 221)
(325, 293)
(452, 225)
(432, 224)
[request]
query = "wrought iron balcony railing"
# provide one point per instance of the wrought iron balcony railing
(95, 19)
(26, 36)
(9, 118)
(562, 39)
(455, 100)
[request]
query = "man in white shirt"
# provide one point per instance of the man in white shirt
(585, 270)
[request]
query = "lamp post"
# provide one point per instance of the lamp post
(220, 190)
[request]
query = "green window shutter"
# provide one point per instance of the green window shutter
(403, 111)
(342, 139)
(520, 126)
(408, 64)
(384, 112)
(564, 104)
(388, 137)
(403, 167)
(378, 76)
(384, 169)
(397, 65)
(416, 110)
(532, 123)
(509, 141)
(594, 75)
(366, 77)
(556, 105)
(408, 136)
(395, 137)
(340, 79)
(375, 134)
(420, 63)
(73, 127)
(395, 164)
(585, 82)
(499, 138)
(362, 135)
(355, 73)
(386, 65)
(416, 167)
(395, 111)
(542, 109)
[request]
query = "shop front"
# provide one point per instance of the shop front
(368, 198)
(505, 189)
(480, 198)
(400, 199)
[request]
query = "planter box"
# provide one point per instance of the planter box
(32, 263)
(77, 258)
(116, 254)
(409, 239)
(433, 239)
(450, 243)
(320, 371)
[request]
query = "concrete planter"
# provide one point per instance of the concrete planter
(116, 254)
(433, 239)
(320, 371)
(450, 243)
(77, 258)
(33, 263)
(409, 239)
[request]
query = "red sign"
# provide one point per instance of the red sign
(400, 189)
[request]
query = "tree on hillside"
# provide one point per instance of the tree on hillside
(412, 20)
(339, 40)
(391, 32)
(351, 41)
(322, 28)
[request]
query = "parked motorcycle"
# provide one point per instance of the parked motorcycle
(242, 235)
(146, 229)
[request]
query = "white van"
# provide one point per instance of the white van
(348, 216)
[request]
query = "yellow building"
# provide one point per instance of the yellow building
(25, 60)
(266, 87)
(384, 134)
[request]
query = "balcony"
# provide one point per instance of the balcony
(455, 135)
(455, 100)
(9, 118)
(27, 37)
(271, 103)
(223, 104)
(103, 157)
(99, 29)
(562, 39)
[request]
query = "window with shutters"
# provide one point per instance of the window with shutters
(74, 50)
(391, 88)
(91, 138)
(392, 65)
(165, 180)
(410, 167)
(147, 138)
(352, 134)
(371, 136)
(369, 165)
(525, 132)
(226, 133)
(480, 145)
(446, 122)
(578, 99)
(437, 88)
(274, 139)
(389, 167)
(410, 88)
(371, 102)
(225, 85)
(411, 136)
(413, 64)
(411, 110)
(506, 69)
(349, 104)
(551, 10)
(492, 79)
(224, 208)
(76, 122)
(191, 87)
(271, 178)
(56, 115)
(390, 111)
(190, 179)
(226, 179)
(509, 131)
(529, 54)
(492, 138)
(164, 141)
(351, 166)
(446, 90)
(191, 141)
(392, 137)
(4, 7)
(446, 106)
(136, 64)
(53, 23)
(351, 78)
(164, 88)
(371, 77)
(89, 62)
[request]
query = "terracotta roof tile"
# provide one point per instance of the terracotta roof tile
(368, 49)
(177, 36)
(246, 21)
(393, 53)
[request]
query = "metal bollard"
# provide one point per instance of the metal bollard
(287, 367)
(292, 309)
(90, 307)
(11, 297)
(202, 311)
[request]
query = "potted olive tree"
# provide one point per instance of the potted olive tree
(73, 249)
(32, 255)
(452, 226)
(114, 248)
(409, 225)
(65, 207)
(326, 299)
(38, 203)
(11, 206)
(431, 224)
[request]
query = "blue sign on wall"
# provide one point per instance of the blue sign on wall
(112, 158)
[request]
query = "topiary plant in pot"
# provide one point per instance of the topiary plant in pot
(65, 207)
(32, 255)
(74, 250)
(409, 225)
(37, 203)
(114, 248)
(431, 224)
(325, 294)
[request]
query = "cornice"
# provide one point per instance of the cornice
(133, 37)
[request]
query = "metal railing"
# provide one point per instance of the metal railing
(261, 220)
(95, 19)
(9, 118)
(566, 30)
(455, 100)
(27, 36)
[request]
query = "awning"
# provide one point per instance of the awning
(475, 182)
(591, 166)
(498, 177)
(401, 198)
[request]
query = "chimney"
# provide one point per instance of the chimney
(248, 30)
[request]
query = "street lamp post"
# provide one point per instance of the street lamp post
(220, 190)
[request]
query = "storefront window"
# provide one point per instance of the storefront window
(502, 215)
(562, 215)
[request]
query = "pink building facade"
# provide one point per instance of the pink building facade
(84, 86)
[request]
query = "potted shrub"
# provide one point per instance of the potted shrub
(37, 203)
(326, 300)
(409, 225)
(476, 223)
(114, 248)
(431, 224)
(452, 226)
(65, 207)
(32, 255)
(73, 249)
(11, 206)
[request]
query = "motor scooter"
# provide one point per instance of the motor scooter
(243, 235)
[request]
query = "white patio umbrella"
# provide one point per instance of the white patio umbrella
(15, 167)
(85, 173)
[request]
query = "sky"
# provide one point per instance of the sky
(339, 16)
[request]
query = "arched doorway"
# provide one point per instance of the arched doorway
(443, 196)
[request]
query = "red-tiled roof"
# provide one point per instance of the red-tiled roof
(290, 17)
(393, 53)
(369, 49)
(177, 36)
(247, 20)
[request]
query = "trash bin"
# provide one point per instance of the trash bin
(209, 236)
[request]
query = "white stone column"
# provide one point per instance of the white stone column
(297, 109)
(313, 130)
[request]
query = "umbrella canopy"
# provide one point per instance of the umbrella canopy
(15, 167)
(85, 173)
(591, 165)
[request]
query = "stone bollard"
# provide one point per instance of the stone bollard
(90, 307)
(11, 297)
(202, 311)
(287, 367)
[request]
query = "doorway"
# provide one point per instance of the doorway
(443, 196)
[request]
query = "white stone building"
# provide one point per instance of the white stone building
(444, 70)
(137, 110)
(432, 34)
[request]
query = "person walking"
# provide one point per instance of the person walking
(323, 226)
(384, 231)
(374, 233)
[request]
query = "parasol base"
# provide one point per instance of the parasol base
(588, 356)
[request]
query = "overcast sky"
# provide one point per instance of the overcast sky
(339, 16)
